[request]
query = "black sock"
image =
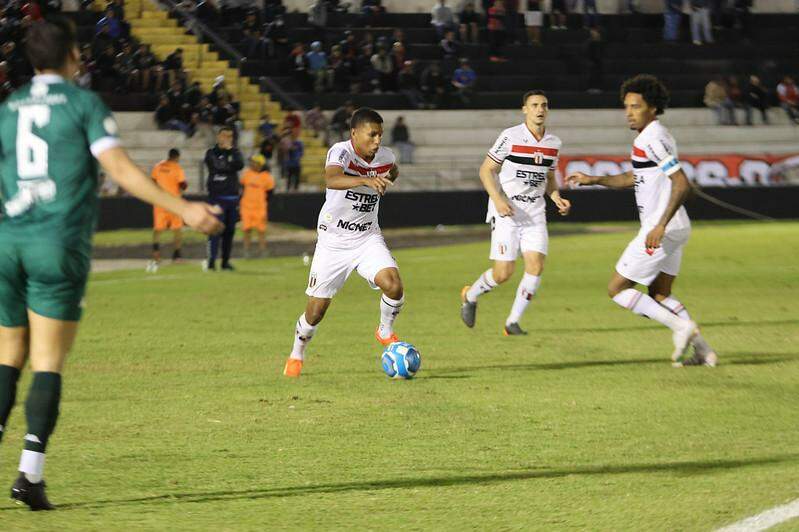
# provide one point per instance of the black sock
(176, 254)
(41, 409)
(9, 376)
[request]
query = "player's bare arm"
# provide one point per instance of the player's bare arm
(680, 188)
(488, 176)
(121, 169)
(624, 180)
(336, 179)
(393, 174)
(563, 205)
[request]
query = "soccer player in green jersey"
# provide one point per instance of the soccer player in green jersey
(52, 134)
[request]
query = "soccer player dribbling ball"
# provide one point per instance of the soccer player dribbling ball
(653, 257)
(51, 132)
(523, 158)
(357, 173)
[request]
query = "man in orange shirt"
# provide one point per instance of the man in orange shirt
(257, 185)
(169, 175)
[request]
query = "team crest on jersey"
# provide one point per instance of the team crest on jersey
(538, 157)
(111, 126)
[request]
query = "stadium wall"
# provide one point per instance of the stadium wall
(407, 209)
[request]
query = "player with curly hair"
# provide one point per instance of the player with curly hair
(653, 257)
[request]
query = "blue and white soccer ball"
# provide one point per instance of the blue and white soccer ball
(401, 360)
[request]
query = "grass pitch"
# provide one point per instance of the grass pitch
(175, 414)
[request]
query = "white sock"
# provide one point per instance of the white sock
(643, 305)
(676, 307)
(389, 310)
(527, 288)
(484, 283)
(32, 464)
(671, 303)
(302, 335)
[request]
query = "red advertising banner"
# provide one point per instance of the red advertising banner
(726, 170)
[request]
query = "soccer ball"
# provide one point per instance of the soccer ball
(401, 360)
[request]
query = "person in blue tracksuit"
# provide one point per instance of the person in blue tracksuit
(223, 163)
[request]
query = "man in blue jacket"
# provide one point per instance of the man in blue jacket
(223, 163)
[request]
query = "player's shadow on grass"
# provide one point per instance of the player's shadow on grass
(673, 468)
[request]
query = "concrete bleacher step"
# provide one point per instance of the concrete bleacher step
(137, 23)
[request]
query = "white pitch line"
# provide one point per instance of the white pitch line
(765, 520)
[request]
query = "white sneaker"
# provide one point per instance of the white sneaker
(152, 267)
(682, 339)
(204, 265)
(711, 359)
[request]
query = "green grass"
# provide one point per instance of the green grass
(175, 414)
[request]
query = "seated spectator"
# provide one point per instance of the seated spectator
(349, 46)
(112, 23)
(716, 99)
(316, 60)
(469, 24)
(150, 73)
(401, 139)
(533, 20)
(737, 100)
(408, 84)
(434, 87)
(126, 67)
(299, 65)
(107, 67)
(340, 122)
(277, 38)
(173, 65)
(316, 121)
(224, 113)
(166, 118)
(384, 67)
(442, 18)
(450, 49)
(341, 68)
(496, 31)
(19, 68)
(757, 98)
(207, 11)
(464, 80)
(83, 79)
(273, 9)
(397, 56)
(102, 40)
(788, 94)
(31, 9)
(366, 76)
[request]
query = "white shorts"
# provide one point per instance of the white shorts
(508, 238)
(533, 18)
(331, 267)
(637, 265)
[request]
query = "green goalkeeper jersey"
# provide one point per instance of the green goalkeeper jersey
(50, 133)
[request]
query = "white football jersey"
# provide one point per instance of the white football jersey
(348, 216)
(525, 161)
(654, 159)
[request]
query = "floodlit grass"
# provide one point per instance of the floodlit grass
(176, 416)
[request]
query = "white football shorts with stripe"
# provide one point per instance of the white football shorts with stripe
(332, 266)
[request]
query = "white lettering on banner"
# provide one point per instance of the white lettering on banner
(704, 170)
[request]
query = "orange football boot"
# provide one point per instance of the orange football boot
(386, 341)
(293, 368)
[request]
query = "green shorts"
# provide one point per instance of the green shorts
(45, 277)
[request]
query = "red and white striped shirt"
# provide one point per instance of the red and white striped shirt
(525, 161)
(349, 216)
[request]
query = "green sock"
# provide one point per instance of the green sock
(9, 376)
(41, 409)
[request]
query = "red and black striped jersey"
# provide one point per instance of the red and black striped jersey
(348, 216)
(526, 162)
